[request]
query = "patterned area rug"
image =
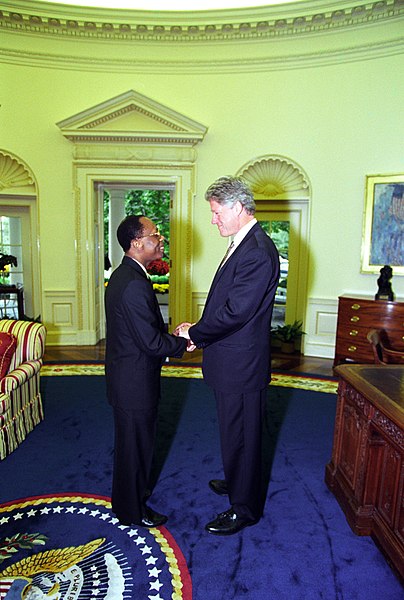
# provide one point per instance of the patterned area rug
(71, 546)
(124, 563)
(59, 538)
(303, 382)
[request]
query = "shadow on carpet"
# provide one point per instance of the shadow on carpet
(301, 549)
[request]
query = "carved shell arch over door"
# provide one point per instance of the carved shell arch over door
(276, 178)
(14, 173)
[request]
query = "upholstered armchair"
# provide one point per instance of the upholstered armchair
(22, 345)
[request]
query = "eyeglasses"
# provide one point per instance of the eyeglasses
(155, 234)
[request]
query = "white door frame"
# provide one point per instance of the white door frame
(297, 213)
(100, 250)
(25, 207)
(181, 180)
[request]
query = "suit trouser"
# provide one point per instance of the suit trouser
(241, 419)
(135, 433)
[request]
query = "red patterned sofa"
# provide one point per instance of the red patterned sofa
(22, 345)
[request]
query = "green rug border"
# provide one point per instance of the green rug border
(303, 382)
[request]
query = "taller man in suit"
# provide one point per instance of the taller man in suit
(234, 332)
(136, 346)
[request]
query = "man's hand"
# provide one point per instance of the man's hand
(182, 330)
(190, 347)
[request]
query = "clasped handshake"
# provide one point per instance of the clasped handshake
(182, 330)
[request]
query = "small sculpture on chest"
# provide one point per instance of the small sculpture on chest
(385, 291)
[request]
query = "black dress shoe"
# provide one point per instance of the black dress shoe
(152, 518)
(219, 486)
(228, 522)
(149, 519)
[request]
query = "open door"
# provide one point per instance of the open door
(291, 293)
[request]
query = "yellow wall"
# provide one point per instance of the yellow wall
(339, 118)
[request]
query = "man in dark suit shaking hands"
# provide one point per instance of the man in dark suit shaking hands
(234, 332)
(136, 346)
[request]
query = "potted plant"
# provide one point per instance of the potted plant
(288, 334)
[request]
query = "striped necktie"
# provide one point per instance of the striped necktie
(229, 249)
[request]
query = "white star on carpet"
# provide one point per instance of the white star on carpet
(156, 585)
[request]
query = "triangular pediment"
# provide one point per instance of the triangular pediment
(132, 118)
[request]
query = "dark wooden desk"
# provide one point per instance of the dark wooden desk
(366, 472)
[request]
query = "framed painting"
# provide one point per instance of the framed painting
(383, 225)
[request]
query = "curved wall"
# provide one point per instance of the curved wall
(317, 82)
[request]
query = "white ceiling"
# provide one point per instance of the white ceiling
(173, 5)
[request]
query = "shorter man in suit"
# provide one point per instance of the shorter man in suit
(136, 346)
(234, 332)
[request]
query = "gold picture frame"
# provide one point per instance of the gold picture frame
(383, 224)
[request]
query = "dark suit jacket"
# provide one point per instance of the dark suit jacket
(234, 329)
(137, 343)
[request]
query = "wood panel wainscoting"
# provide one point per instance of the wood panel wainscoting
(366, 471)
(359, 314)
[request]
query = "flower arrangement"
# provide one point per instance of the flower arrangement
(161, 288)
(6, 260)
(160, 276)
(4, 274)
(158, 267)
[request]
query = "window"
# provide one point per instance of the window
(11, 245)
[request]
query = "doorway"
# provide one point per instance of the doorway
(281, 191)
(16, 240)
(279, 232)
(133, 139)
(179, 185)
(287, 223)
(152, 201)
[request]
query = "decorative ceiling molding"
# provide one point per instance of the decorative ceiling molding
(275, 178)
(201, 26)
(249, 64)
(13, 173)
(132, 118)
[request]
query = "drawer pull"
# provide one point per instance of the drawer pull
(355, 319)
(355, 306)
(352, 349)
(353, 332)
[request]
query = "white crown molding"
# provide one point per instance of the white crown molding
(316, 16)
(262, 64)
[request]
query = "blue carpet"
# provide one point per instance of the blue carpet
(302, 548)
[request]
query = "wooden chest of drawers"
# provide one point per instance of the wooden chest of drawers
(356, 316)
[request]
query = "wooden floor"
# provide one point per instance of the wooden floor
(286, 362)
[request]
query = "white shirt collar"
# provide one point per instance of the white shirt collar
(142, 266)
(240, 235)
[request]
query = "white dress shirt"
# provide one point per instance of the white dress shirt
(240, 235)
